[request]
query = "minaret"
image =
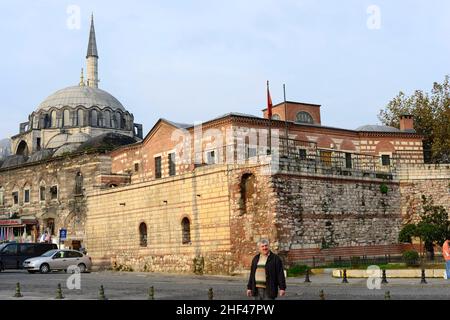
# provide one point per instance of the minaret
(92, 58)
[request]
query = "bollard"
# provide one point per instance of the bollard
(210, 294)
(383, 277)
(151, 293)
(59, 294)
(321, 295)
(18, 293)
(423, 280)
(101, 293)
(344, 278)
(387, 295)
(307, 276)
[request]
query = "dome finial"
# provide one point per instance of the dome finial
(82, 78)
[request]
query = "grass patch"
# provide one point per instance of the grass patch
(297, 270)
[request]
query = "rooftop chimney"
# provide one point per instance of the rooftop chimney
(407, 123)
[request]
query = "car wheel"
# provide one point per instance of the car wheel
(31, 271)
(82, 267)
(45, 268)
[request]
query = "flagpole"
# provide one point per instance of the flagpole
(285, 120)
(269, 111)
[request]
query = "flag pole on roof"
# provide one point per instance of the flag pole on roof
(286, 133)
(269, 114)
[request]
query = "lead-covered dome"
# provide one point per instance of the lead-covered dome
(81, 95)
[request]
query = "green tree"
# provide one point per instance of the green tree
(431, 113)
(433, 227)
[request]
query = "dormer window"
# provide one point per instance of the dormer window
(304, 117)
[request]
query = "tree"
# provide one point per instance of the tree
(431, 113)
(433, 228)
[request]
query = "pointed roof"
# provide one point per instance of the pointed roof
(92, 46)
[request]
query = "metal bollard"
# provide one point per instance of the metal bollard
(210, 294)
(387, 295)
(18, 293)
(307, 280)
(59, 294)
(101, 293)
(423, 280)
(321, 295)
(151, 293)
(344, 277)
(383, 277)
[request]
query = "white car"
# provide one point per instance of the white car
(58, 260)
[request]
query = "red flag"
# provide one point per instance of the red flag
(269, 102)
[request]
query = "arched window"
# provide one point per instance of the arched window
(247, 190)
(107, 119)
(80, 117)
(143, 234)
(304, 117)
(123, 123)
(66, 118)
(118, 120)
(276, 117)
(79, 184)
(94, 118)
(53, 119)
(2, 196)
(186, 231)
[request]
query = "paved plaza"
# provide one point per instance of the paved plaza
(135, 286)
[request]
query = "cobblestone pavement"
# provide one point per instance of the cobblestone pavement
(134, 285)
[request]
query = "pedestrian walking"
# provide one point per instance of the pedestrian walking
(266, 275)
(446, 255)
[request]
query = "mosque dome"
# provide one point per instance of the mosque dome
(81, 95)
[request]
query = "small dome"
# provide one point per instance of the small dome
(107, 142)
(57, 141)
(40, 155)
(14, 160)
(81, 95)
(78, 137)
(65, 149)
(377, 128)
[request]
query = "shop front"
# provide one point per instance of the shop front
(19, 230)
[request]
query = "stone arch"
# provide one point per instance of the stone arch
(324, 142)
(80, 117)
(22, 148)
(384, 146)
(347, 145)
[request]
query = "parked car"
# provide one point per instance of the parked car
(12, 254)
(58, 260)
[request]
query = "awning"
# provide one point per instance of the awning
(13, 223)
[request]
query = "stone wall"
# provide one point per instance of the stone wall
(202, 196)
(432, 181)
(68, 209)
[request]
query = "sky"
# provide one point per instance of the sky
(190, 61)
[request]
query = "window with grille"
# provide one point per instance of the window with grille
(172, 170)
(186, 230)
(158, 173)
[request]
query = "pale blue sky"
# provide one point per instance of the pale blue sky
(193, 60)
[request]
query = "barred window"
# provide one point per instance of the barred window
(143, 234)
(186, 229)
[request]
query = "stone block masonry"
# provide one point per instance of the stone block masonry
(432, 181)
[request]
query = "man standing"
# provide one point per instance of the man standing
(446, 255)
(266, 275)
